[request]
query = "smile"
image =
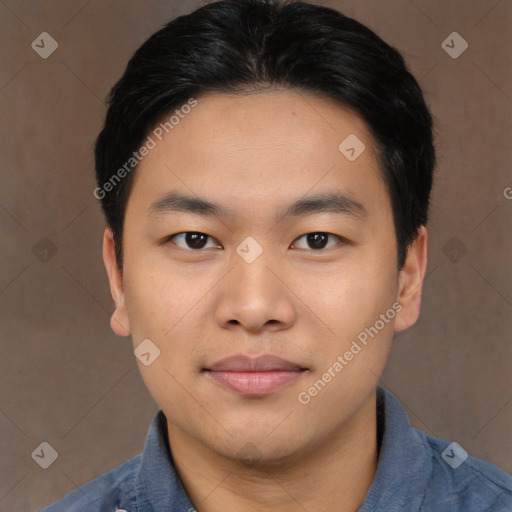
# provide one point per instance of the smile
(254, 376)
(254, 383)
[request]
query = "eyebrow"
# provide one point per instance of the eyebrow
(332, 202)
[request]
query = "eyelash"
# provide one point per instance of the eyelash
(170, 237)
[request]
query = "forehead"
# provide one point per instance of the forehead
(262, 149)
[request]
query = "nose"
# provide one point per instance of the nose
(256, 296)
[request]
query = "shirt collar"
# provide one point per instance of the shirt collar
(157, 484)
(402, 473)
(405, 461)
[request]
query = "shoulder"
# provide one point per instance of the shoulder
(461, 482)
(103, 493)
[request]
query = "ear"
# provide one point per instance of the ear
(119, 322)
(411, 282)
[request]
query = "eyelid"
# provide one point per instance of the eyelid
(168, 239)
(340, 238)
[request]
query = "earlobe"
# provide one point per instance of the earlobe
(410, 282)
(119, 321)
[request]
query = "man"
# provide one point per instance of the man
(265, 171)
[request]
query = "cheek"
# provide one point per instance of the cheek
(161, 306)
(350, 302)
(159, 299)
(350, 295)
(355, 341)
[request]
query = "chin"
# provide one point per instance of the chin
(260, 452)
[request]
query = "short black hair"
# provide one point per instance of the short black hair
(244, 46)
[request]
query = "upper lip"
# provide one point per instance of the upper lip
(242, 363)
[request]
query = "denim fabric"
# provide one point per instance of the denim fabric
(412, 476)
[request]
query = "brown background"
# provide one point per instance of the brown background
(68, 380)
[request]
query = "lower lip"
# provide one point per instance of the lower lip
(254, 383)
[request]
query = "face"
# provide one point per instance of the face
(295, 258)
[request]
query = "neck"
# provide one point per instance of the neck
(335, 475)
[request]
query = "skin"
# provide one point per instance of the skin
(256, 154)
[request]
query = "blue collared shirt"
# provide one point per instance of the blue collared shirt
(415, 473)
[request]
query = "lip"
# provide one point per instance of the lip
(254, 376)
(243, 363)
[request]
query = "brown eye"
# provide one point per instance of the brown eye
(194, 240)
(317, 240)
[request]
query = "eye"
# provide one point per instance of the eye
(317, 240)
(194, 239)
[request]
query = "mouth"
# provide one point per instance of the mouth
(254, 376)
